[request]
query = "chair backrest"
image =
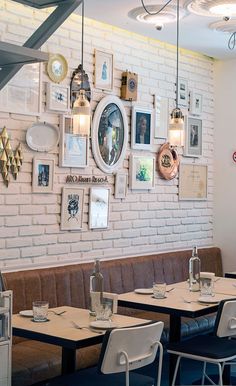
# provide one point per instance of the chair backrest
(137, 344)
(225, 324)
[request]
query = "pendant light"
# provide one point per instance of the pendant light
(176, 126)
(81, 106)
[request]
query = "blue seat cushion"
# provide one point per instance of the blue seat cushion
(209, 346)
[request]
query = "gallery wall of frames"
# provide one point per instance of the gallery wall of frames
(79, 197)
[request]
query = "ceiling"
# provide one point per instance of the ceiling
(194, 31)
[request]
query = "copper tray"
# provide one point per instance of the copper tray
(167, 162)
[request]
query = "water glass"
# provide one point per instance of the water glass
(104, 310)
(159, 290)
(207, 283)
(40, 311)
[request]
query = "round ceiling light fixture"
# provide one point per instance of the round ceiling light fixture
(214, 8)
(224, 26)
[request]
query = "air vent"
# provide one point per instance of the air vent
(167, 15)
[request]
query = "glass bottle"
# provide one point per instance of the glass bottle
(2, 284)
(96, 288)
(194, 271)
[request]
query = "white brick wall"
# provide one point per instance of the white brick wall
(142, 222)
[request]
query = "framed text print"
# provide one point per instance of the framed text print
(193, 182)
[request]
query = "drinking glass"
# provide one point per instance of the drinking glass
(207, 283)
(159, 290)
(104, 310)
(40, 311)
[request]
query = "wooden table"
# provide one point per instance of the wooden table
(175, 305)
(222, 285)
(60, 331)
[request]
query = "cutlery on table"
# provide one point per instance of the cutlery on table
(57, 313)
(170, 289)
(76, 325)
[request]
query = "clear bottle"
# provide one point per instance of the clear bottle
(96, 288)
(194, 271)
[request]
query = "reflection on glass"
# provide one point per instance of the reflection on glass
(111, 134)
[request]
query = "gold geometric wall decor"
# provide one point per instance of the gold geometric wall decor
(10, 161)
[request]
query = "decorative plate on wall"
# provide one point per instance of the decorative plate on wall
(42, 136)
(167, 162)
(57, 68)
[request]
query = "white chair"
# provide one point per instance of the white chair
(218, 348)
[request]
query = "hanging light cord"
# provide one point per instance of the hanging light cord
(232, 41)
(155, 13)
(82, 46)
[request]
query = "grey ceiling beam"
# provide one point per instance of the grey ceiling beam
(41, 35)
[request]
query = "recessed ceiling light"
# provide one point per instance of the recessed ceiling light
(167, 15)
(213, 8)
(224, 26)
(224, 9)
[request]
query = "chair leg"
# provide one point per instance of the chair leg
(220, 375)
(203, 373)
(176, 371)
(159, 364)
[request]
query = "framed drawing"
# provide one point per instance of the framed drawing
(99, 208)
(74, 148)
(109, 134)
(43, 175)
(183, 92)
(195, 107)
(72, 209)
(142, 172)
(141, 132)
(103, 70)
(193, 182)
(58, 97)
(161, 116)
(120, 185)
(193, 137)
(23, 93)
(57, 67)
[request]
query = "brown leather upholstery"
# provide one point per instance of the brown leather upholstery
(69, 285)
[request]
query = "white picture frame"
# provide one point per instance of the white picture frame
(196, 101)
(72, 208)
(120, 185)
(142, 172)
(74, 148)
(161, 117)
(142, 128)
(99, 208)
(193, 179)
(183, 92)
(43, 175)
(104, 68)
(57, 97)
(193, 137)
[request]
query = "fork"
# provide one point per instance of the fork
(194, 301)
(57, 313)
(85, 328)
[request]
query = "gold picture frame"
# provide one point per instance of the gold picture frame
(57, 68)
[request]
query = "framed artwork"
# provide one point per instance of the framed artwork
(57, 67)
(183, 92)
(74, 148)
(161, 117)
(58, 97)
(23, 93)
(109, 134)
(141, 131)
(120, 185)
(99, 208)
(142, 172)
(195, 107)
(193, 137)
(43, 175)
(193, 182)
(103, 70)
(72, 208)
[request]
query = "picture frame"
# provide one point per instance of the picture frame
(72, 208)
(142, 172)
(57, 97)
(183, 92)
(109, 134)
(193, 180)
(196, 100)
(193, 137)
(120, 185)
(161, 117)
(99, 208)
(74, 148)
(42, 175)
(103, 70)
(142, 128)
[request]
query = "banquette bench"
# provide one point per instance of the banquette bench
(69, 285)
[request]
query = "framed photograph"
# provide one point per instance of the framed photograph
(120, 185)
(72, 208)
(141, 131)
(58, 97)
(43, 175)
(74, 148)
(183, 92)
(193, 182)
(99, 208)
(103, 70)
(142, 172)
(109, 134)
(195, 107)
(161, 117)
(193, 137)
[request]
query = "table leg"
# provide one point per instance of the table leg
(68, 364)
(174, 336)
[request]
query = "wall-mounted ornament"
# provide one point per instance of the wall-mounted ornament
(10, 161)
(167, 162)
(57, 68)
(129, 86)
